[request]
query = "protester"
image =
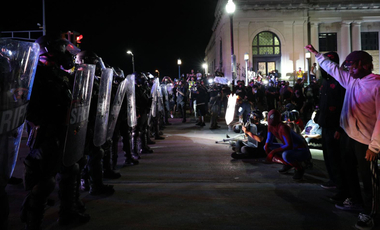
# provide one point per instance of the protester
(360, 121)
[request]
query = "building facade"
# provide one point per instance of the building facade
(274, 34)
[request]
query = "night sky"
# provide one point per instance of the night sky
(157, 32)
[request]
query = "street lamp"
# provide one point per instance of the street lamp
(246, 58)
(204, 66)
(308, 56)
(133, 60)
(230, 9)
(179, 63)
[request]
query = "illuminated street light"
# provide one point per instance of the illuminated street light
(246, 58)
(204, 66)
(179, 63)
(308, 56)
(133, 59)
(230, 9)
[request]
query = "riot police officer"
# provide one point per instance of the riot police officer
(46, 116)
(94, 166)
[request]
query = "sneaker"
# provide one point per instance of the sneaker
(285, 169)
(329, 185)
(236, 155)
(298, 174)
(349, 205)
(364, 222)
(337, 198)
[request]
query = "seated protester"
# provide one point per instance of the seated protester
(312, 132)
(293, 150)
(291, 115)
(253, 146)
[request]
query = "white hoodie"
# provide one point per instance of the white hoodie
(360, 116)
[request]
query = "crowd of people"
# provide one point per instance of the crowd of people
(340, 111)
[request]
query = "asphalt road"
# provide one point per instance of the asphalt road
(190, 182)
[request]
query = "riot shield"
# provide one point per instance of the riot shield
(78, 114)
(160, 102)
(102, 110)
(230, 112)
(18, 61)
(115, 108)
(131, 97)
(165, 93)
(154, 93)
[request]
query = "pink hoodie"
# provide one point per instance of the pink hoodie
(360, 116)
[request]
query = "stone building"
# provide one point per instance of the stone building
(274, 33)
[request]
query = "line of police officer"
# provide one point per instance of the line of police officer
(75, 116)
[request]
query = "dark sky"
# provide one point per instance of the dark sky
(157, 32)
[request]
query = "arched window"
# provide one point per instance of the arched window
(266, 43)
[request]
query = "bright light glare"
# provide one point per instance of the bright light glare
(210, 81)
(129, 52)
(230, 7)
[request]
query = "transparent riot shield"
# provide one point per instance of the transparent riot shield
(18, 61)
(102, 110)
(154, 93)
(230, 112)
(160, 102)
(165, 94)
(131, 97)
(115, 108)
(78, 114)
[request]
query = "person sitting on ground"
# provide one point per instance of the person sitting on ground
(253, 146)
(312, 132)
(293, 150)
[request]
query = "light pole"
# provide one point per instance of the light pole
(179, 63)
(246, 58)
(133, 60)
(308, 56)
(230, 8)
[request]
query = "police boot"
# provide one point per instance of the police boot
(96, 175)
(148, 135)
(144, 144)
(136, 145)
(115, 150)
(68, 213)
(32, 212)
(4, 209)
(107, 170)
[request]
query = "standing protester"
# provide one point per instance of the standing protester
(330, 106)
(182, 98)
(360, 119)
(200, 93)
